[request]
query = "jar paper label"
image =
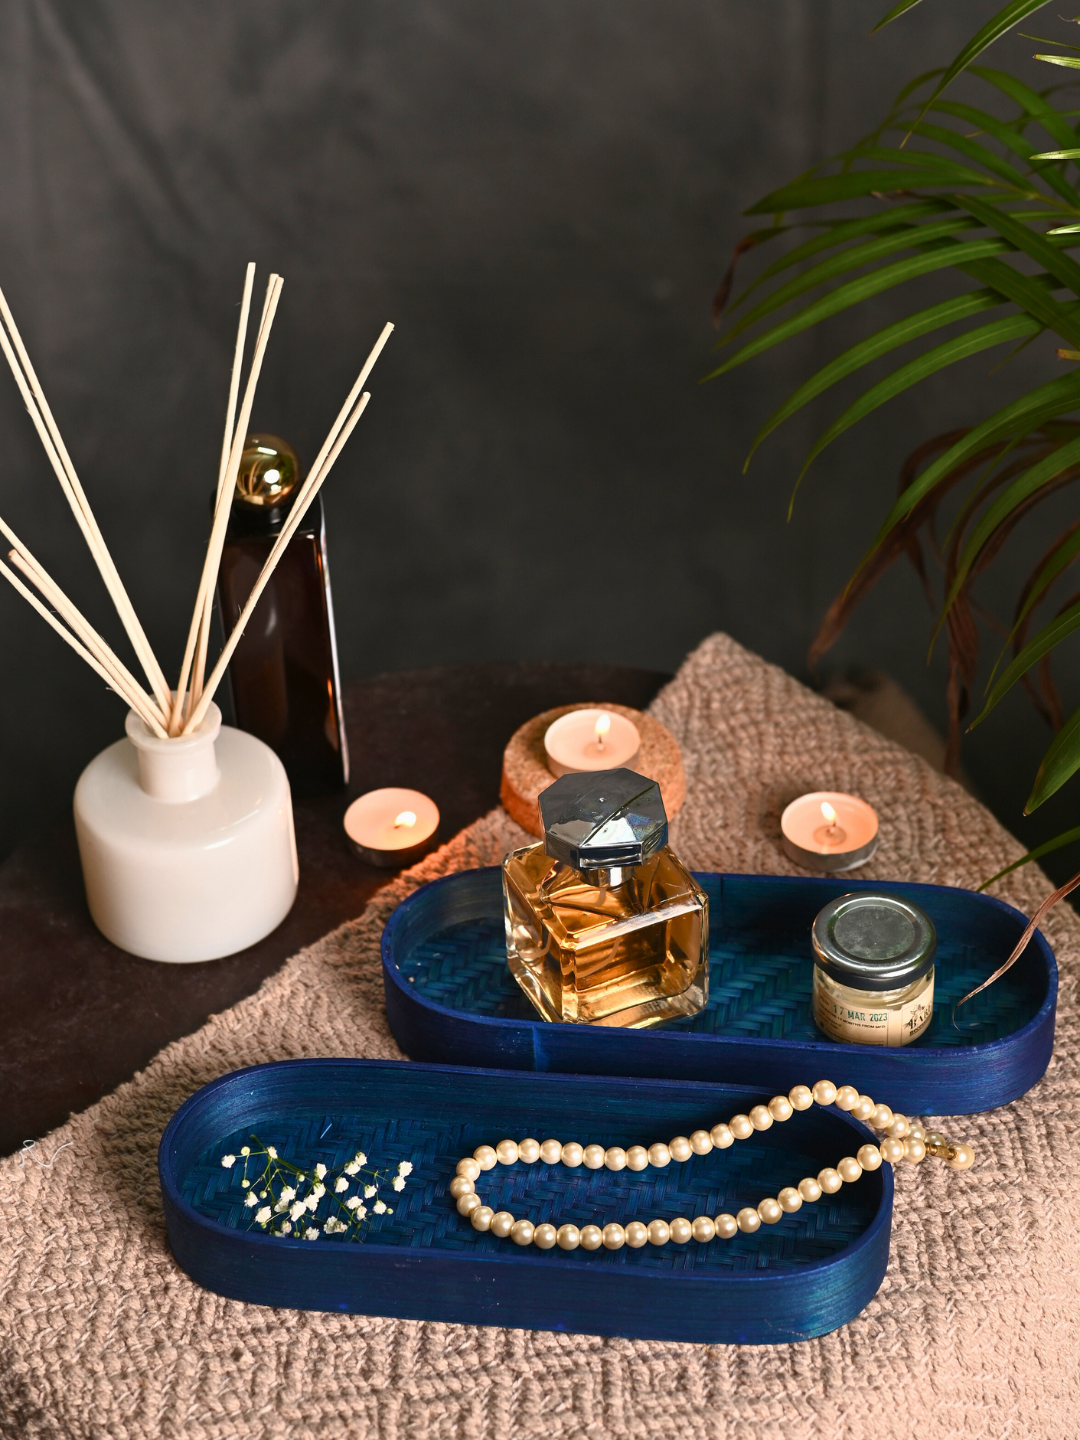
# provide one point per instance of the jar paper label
(865, 1024)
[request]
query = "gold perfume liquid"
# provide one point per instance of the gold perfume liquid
(623, 946)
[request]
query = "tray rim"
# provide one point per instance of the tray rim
(172, 1196)
(982, 1050)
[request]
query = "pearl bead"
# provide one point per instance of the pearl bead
(829, 1180)
(721, 1136)
(726, 1226)
(461, 1185)
(790, 1200)
(899, 1127)
(592, 1237)
(701, 1142)
(748, 1221)
(637, 1158)
(637, 1234)
(507, 1152)
(962, 1157)
(469, 1168)
(893, 1150)
(849, 1169)
(529, 1153)
(882, 1117)
(801, 1097)
(481, 1217)
(760, 1118)
(485, 1157)
(568, 1237)
(934, 1140)
(824, 1092)
(781, 1108)
(522, 1232)
(544, 1236)
(704, 1229)
(809, 1189)
(680, 1149)
(770, 1211)
(551, 1152)
(614, 1237)
(914, 1149)
(863, 1109)
(847, 1097)
(615, 1158)
(870, 1157)
(681, 1231)
(467, 1204)
(592, 1157)
(571, 1155)
(659, 1233)
(659, 1155)
(917, 1128)
(741, 1126)
(502, 1222)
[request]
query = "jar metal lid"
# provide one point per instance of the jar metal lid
(874, 941)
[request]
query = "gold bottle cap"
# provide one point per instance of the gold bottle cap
(269, 471)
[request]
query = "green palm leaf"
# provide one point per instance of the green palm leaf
(1061, 761)
(1048, 846)
(1061, 556)
(1013, 229)
(1049, 636)
(854, 184)
(1030, 101)
(994, 28)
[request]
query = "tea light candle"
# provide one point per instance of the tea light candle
(391, 826)
(827, 830)
(590, 739)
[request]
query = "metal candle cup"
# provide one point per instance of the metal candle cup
(391, 827)
(829, 831)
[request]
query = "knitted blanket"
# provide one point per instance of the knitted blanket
(975, 1329)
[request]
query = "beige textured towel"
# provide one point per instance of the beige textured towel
(974, 1331)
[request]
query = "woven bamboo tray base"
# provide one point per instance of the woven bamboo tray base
(525, 772)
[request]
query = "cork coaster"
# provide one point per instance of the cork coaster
(525, 772)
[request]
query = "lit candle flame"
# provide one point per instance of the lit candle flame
(603, 725)
(405, 819)
(828, 812)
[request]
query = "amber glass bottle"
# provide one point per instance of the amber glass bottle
(284, 673)
(604, 924)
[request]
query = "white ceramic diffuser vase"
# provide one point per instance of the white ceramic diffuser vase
(187, 845)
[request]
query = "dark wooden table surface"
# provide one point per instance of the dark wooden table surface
(80, 1016)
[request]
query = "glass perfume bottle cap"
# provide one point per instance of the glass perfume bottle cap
(874, 941)
(269, 471)
(603, 819)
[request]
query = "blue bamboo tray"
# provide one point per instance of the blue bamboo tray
(810, 1273)
(450, 998)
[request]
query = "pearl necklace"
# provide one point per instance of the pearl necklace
(904, 1139)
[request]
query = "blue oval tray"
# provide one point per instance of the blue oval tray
(450, 997)
(808, 1274)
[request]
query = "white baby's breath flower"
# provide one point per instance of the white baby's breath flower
(311, 1233)
(405, 1168)
(228, 1161)
(352, 1168)
(245, 1149)
(280, 1206)
(289, 1193)
(312, 1203)
(319, 1191)
(320, 1170)
(399, 1182)
(361, 1212)
(360, 1158)
(296, 1209)
(369, 1191)
(379, 1208)
(286, 1228)
(352, 1202)
(271, 1152)
(263, 1215)
(251, 1199)
(341, 1186)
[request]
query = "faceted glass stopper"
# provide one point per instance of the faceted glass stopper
(603, 819)
(269, 471)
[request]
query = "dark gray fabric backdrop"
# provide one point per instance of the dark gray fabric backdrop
(542, 196)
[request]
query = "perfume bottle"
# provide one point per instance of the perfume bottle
(284, 674)
(604, 925)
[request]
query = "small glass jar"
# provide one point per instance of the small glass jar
(873, 969)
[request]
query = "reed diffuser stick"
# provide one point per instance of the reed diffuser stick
(296, 514)
(56, 450)
(208, 580)
(226, 449)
